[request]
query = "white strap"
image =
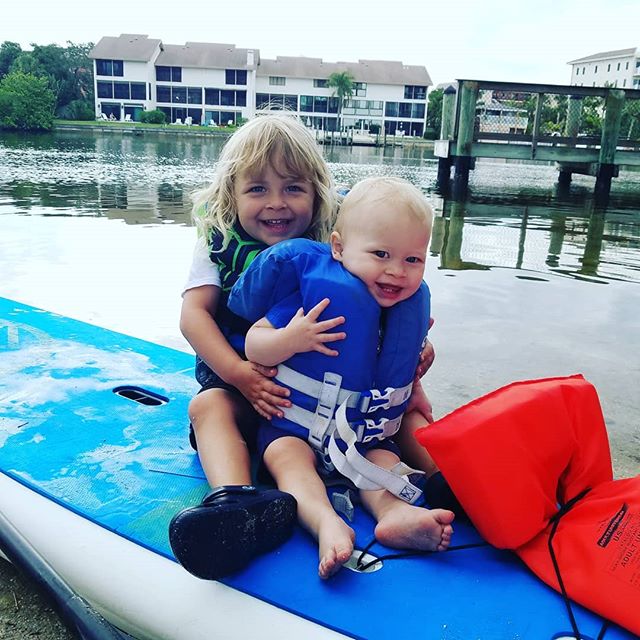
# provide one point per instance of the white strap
(308, 385)
(365, 474)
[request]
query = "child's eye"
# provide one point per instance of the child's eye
(380, 254)
(413, 259)
(256, 189)
(295, 188)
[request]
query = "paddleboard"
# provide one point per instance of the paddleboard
(95, 461)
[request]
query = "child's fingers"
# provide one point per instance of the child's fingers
(325, 325)
(331, 337)
(325, 350)
(314, 313)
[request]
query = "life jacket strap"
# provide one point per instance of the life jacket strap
(363, 473)
(330, 395)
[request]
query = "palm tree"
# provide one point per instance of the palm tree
(342, 84)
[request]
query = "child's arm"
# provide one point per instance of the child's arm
(270, 346)
(203, 334)
(418, 401)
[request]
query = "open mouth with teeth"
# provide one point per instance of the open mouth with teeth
(388, 289)
(276, 224)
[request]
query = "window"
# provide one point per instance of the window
(626, 66)
(163, 93)
(277, 80)
(320, 104)
(227, 98)
(319, 83)
(241, 98)
(212, 96)
(596, 69)
(235, 76)
(194, 95)
(169, 74)
(618, 67)
(577, 71)
(391, 109)
(608, 68)
(417, 110)
(360, 89)
(110, 68)
(138, 91)
(105, 89)
(121, 90)
(405, 110)
(416, 92)
(306, 103)
(179, 95)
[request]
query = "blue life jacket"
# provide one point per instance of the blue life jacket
(371, 379)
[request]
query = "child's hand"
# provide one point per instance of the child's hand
(305, 333)
(418, 401)
(427, 357)
(266, 397)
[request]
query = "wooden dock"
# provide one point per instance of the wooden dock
(592, 130)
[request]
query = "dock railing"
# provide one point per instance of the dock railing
(587, 130)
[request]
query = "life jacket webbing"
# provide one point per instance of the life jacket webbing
(330, 395)
(365, 474)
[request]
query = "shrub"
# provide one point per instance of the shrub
(26, 102)
(153, 117)
(77, 110)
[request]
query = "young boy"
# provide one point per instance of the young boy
(381, 237)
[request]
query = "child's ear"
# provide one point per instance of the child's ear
(336, 246)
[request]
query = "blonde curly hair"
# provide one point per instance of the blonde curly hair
(278, 139)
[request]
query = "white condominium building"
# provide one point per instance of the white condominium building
(619, 69)
(205, 83)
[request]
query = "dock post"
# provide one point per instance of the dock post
(571, 130)
(463, 162)
(447, 128)
(607, 168)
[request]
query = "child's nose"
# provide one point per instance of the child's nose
(395, 268)
(276, 201)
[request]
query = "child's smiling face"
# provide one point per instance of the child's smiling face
(273, 207)
(386, 249)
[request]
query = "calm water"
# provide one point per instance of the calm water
(527, 281)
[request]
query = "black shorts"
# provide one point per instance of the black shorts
(209, 379)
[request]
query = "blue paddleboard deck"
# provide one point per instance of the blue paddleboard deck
(96, 421)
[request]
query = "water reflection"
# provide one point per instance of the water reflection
(515, 217)
(590, 243)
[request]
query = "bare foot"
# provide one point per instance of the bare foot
(335, 542)
(408, 527)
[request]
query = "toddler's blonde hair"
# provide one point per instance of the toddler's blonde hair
(279, 140)
(396, 192)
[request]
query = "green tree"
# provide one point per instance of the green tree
(9, 51)
(69, 72)
(26, 102)
(342, 84)
(434, 113)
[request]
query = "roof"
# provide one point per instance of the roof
(128, 46)
(205, 55)
(620, 53)
(373, 71)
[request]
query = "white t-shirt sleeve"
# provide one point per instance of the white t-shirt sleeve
(202, 271)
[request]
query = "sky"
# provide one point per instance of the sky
(501, 40)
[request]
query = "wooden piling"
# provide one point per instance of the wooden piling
(607, 169)
(447, 130)
(463, 162)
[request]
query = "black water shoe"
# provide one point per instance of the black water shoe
(231, 526)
